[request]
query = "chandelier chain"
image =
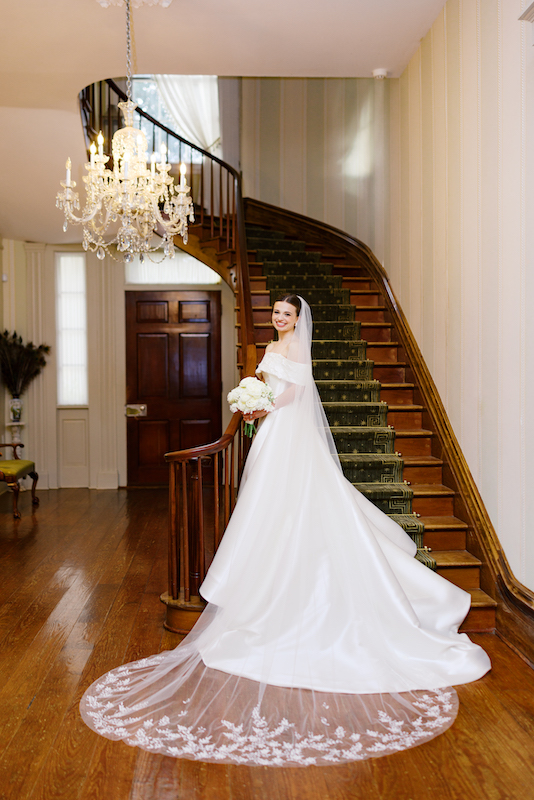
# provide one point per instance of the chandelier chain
(128, 52)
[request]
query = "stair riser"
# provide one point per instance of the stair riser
(396, 505)
(329, 313)
(365, 299)
(373, 473)
(357, 283)
(405, 420)
(388, 354)
(367, 416)
(445, 540)
(371, 314)
(341, 268)
(282, 245)
(479, 620)
(390, 374)
(283, 256)
(376, 334)
(306, 268)
(398, 396)
(259, 315)
(302, 284)
(261, 299)
(262, 335)
(343, 371)
(434, 506)
(355, 394)
(354, 351)
(346, 331)
(364, 442)
(433, 474)
(464, 577)
(414, 445)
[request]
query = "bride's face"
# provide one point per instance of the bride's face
(284, 316)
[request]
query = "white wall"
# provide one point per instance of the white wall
(461, 259)
(317, 146)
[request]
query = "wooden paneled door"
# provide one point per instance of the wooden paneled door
(173, 367)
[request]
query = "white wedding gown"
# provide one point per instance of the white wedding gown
(323, 641)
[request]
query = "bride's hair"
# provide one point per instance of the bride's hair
(293, 299)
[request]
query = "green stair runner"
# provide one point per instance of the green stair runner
(344, 376)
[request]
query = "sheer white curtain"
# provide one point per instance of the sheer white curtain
(193, 102)
(71, 320)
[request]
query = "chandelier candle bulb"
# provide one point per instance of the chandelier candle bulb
(100, 140)
(182, 175)
(92, 150)
(68, 165)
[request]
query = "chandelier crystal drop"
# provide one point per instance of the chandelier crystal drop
(132, 202)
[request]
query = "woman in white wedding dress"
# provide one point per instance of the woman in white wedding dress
(324, 640)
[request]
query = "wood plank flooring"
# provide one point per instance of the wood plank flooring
(80, 581)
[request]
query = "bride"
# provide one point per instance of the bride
(324, 640)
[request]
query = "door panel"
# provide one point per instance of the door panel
(152, 365)
(173, 366)
(194, 364)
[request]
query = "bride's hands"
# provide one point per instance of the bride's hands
(254, 415)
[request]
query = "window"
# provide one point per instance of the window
(182, 269)
(71, 312)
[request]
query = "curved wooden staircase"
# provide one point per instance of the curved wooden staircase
(457, 529)
(415, 469)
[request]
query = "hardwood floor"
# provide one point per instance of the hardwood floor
(79, 594)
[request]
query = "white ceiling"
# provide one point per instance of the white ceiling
(51, 49)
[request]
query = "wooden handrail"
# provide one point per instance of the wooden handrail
(196, 522)
(515, 609)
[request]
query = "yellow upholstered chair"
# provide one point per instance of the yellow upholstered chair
(11, 472)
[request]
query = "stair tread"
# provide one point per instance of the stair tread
(455, 558)
(396, 385)
(390, 363)
(418, 432)
(406, 407)
(376, 324)
(429, 489)
(443, 523)
(420, 461)
(479, 599)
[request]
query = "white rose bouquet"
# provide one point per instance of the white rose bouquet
(251, 395)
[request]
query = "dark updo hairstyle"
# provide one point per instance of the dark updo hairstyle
(293, 299)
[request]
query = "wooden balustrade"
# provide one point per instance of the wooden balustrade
(203, 491)
(203, 480)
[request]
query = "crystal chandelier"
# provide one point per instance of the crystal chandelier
(132, 202)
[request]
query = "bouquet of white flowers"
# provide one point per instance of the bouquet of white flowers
(251, 395)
